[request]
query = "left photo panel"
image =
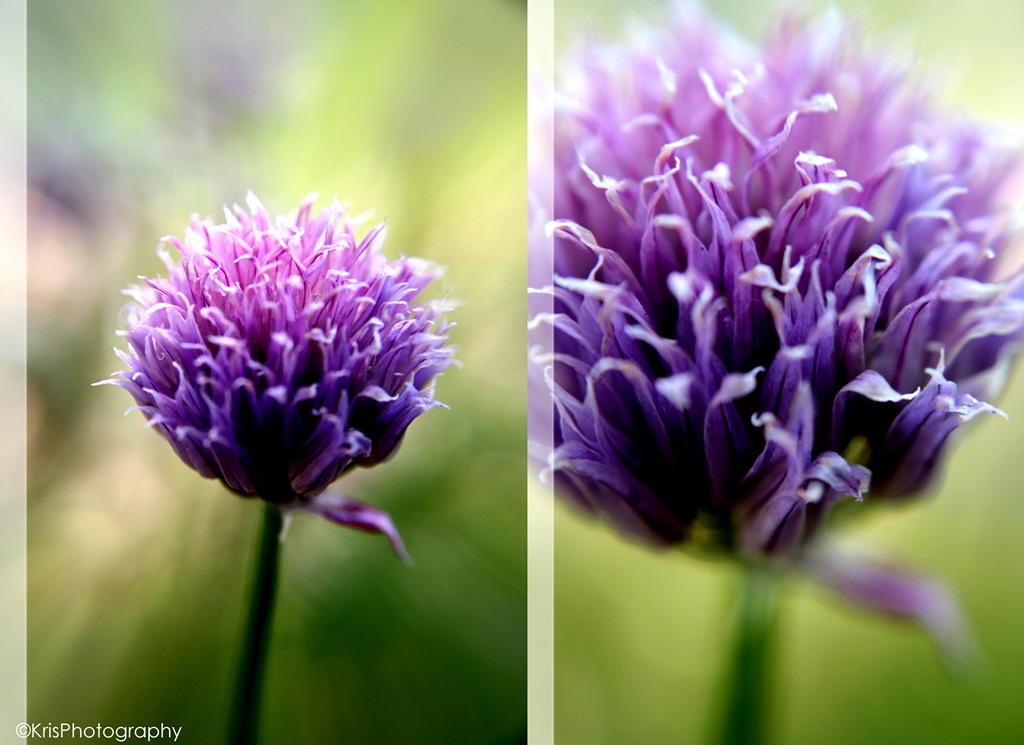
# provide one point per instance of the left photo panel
(287, 243)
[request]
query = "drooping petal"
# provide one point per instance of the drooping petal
(344, 510)
(895, 591)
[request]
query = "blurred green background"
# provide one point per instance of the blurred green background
(641, 637)
(144, 111)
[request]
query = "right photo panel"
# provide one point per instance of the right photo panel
(776, 405)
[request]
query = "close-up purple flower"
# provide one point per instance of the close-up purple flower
(769, 286)
(779, 281)
(278, 356)
(767, 281)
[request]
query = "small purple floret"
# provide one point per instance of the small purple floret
(277, 356)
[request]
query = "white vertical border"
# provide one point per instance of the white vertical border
(540, 502)
(13, 318)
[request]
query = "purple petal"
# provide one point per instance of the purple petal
(344, 510)
(885, 588)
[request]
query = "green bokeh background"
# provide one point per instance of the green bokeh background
(144, 111)
(641, 637)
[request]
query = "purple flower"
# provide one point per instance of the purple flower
(278, 356)
(777, 279)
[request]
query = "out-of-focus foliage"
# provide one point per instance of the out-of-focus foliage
(143, 111)
(641, 637)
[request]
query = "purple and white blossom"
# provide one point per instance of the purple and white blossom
(777, 279)
(277, 356)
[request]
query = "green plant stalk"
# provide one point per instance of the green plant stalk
(744, 708)
(253, 662)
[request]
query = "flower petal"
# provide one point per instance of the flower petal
(879, 586)
(344, 510)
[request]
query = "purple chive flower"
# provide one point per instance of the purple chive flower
(776, 279)
(277, 356)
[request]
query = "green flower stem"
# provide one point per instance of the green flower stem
(744, 695)
(252, 664)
